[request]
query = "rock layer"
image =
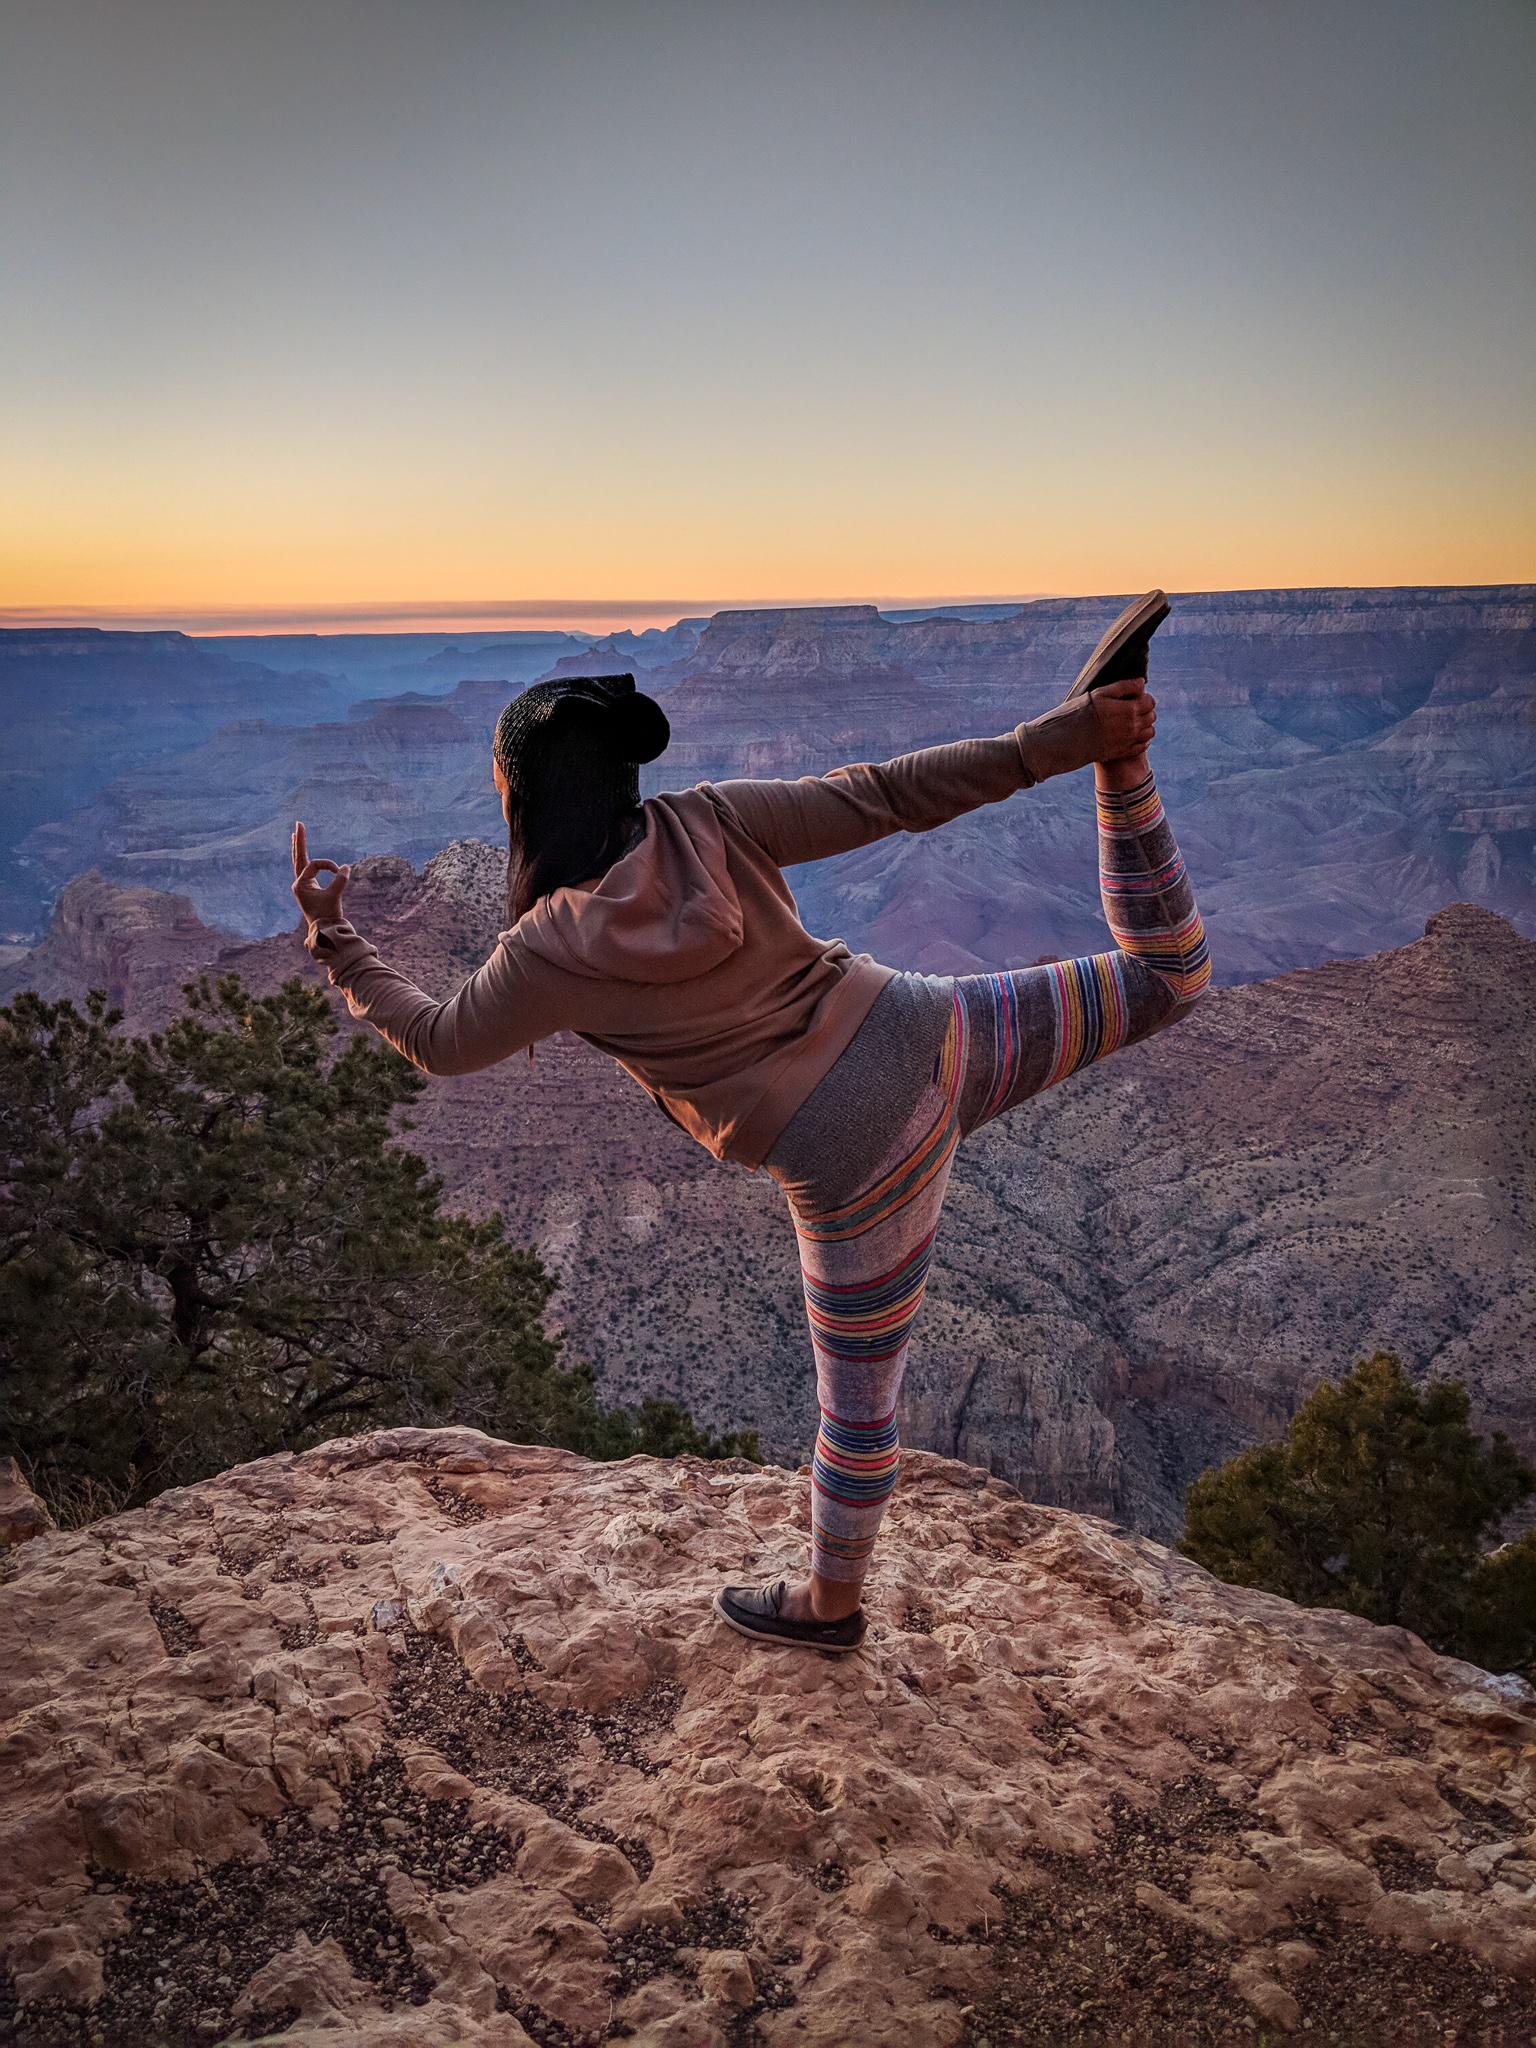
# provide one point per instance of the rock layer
(137, 945)
(79, 705)
(420, 1737)
(22, 1514)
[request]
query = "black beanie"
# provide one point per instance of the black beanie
(595, 729)
(571, 752)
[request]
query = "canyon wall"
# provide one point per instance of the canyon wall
(80, 706)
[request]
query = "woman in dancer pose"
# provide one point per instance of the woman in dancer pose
(664, 934)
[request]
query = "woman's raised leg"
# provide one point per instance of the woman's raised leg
(1031, 1027)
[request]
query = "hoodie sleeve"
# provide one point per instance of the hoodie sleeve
(821, 815)
(507, 1005)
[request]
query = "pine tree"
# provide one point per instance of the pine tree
(212, 1247)
(1378, 1500)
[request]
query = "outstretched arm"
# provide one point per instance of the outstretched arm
(497, 1012)
(820, 815)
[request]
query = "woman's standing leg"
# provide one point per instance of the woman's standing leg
(864, 1263)
(864, 1266)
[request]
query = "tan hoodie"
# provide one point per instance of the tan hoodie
(686, 961)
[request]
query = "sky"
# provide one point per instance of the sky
(330, 312)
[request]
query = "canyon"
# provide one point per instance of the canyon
(1339, 765)
(80, 706)
(1137, 1273)
(420, 1737)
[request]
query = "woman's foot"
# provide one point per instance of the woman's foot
(1121, 656)
(819, 1599)
(1107, 714)
(759, 1612)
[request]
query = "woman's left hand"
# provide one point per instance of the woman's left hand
(321, 904)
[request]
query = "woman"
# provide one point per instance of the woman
(664, 934)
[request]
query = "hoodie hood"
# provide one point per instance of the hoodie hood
(667, 912)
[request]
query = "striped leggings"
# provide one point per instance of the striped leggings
(865, 1252)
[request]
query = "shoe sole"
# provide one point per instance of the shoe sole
(772, 1642)
(1147, 612)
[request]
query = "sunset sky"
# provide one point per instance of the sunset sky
(352, 310)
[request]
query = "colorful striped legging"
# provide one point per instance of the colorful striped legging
(864, 1256)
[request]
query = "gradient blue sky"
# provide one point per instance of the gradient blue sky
(337, 307)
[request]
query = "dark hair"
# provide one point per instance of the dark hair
(570, 750)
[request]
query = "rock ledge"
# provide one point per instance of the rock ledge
(420, 1737)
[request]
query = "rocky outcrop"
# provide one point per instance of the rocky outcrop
(471, 877)
(139, 945)
(22, 1514)
(420, 1738)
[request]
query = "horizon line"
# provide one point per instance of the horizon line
(466, 615)
(596, 616)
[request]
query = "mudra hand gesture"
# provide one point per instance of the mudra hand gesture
(320, 902)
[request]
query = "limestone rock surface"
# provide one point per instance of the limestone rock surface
(421, 1738)
(22, 1514)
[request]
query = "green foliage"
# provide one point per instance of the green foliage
(211, 1248)
(664, 1430)
(1377, 1501)
(1498, 1628)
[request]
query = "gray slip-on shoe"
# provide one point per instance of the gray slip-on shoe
(754, 1611)
(1121, 656)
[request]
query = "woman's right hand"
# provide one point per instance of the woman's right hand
(1128, 718)
(1109, 725)
(321, 904)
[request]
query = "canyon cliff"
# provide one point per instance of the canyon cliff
(1136, 1274)
(422, 1738)
(80, 706)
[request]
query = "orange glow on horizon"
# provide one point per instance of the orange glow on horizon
(141, 565)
